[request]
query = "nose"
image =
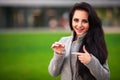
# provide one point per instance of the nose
(80, 24)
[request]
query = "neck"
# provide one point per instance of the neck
(76, 37)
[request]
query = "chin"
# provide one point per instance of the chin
(79, 34)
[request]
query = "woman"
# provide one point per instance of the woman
(82, 56)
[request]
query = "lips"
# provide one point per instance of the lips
(79, 30)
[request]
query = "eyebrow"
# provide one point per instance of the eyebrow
(82, 19)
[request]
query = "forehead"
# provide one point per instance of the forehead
(80, 14)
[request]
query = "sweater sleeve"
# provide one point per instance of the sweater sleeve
(100, 72)
(55, 64)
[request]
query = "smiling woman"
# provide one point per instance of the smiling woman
(87, 42)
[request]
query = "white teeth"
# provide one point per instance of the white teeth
(80, 30)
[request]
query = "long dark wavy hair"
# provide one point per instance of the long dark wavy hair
(94, 39)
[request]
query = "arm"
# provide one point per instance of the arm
(56, 64)
(100, 72)
(58, 58)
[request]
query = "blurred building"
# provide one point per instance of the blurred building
(52, 13)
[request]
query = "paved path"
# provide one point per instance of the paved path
(111, 29)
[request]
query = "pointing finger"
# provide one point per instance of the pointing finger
(84, 49)
(76, 53)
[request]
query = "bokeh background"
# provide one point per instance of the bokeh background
(29, 27)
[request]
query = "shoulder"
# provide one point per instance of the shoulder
(66, 38)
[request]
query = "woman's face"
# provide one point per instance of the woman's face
(80, 22)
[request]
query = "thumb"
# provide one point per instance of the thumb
(84, 49)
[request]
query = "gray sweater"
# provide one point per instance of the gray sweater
(60, 64)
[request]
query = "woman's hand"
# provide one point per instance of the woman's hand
(58, 47)
(84, 57)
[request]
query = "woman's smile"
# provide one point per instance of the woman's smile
(79, 29)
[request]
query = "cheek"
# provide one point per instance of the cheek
(86, 28)
(73, 25)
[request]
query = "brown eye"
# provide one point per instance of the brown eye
(76, 20)
(85, 21)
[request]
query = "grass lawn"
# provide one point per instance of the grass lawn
(26, 56)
